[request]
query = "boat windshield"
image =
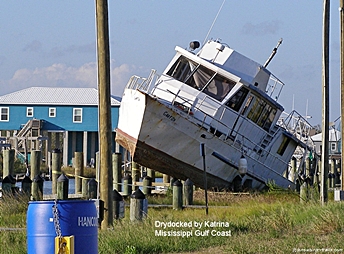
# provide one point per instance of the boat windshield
(201, 78)
(262, 113)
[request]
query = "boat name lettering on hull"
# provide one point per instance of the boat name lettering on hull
(166, 114)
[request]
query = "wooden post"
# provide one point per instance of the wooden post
(188, 192)
(8, 183)
(341, 10)
(84, 188)
(62, 187)
(35, 163)
(165, 178)
(37, 188)
(79, 171)
(147, 185)
(127, 187)
(325, 104)
(92, 189)
(137, 209)
(151, 174)
(8, 162)
(292, 174)
(135, 174)
(117, 203)
(26, 185)
(304, 192)
(55, 168)
(117, 171)
(177, 195)
(104, 105)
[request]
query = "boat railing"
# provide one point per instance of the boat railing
(297, 125)
(230, 136)
(274, 87)
(143, 84)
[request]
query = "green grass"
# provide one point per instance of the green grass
(271, 222)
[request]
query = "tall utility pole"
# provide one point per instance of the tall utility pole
(325, 104)
(341, 11)
(104, 111)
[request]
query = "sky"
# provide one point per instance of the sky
(53, 43)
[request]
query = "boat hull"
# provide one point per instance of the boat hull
(168, 140)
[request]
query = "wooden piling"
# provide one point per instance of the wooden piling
(165, 178)
(127, 185)
(147, 185)
(177, 195)
(62, 187)
(117, 171)
(92, 188)
(8, 183)
(118, 205)
(26, 185)
(79, 171)
(304, 192)
(37, 188)
(8, 162)
(151, 174)
(35, 162)
(55, 168)
(137, 210)
(84, 188)
(188, 192)
(292, 174)
(135, 174)
(104, 106)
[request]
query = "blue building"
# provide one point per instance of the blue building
(46, 118)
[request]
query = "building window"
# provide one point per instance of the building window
(4, 114)
(333, 147)
(52, 112)
(77, 115)
(29, 112)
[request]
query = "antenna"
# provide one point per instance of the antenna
(273, 53)
(211, 27)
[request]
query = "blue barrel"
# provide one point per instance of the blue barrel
(76, 217)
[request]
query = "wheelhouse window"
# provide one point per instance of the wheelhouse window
(283, 146)
(237, 99)
(262, 113)
(201, 78)
(4, 114)
(29, 112)
(182, 69)
(219, 87)
(77, 115)
(52, 112)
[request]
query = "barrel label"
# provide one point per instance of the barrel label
(87, 221)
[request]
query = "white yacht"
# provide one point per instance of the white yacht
(213, 96)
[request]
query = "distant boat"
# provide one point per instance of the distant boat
(218, 97)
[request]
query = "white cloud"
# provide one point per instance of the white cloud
(61, 75)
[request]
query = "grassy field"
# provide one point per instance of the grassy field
(270, 222)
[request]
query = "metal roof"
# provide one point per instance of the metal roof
(54, 96)
(334, 135)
